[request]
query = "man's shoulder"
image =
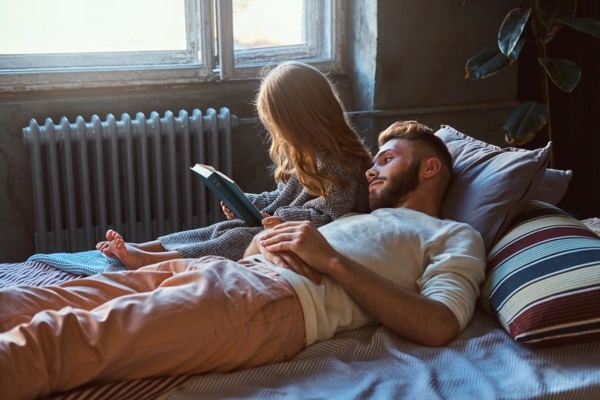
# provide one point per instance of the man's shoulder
(443, 226)
(404, 214)
(462, 226)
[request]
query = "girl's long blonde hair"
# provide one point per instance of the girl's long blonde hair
(304, 115)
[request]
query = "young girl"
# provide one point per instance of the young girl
(319, 161)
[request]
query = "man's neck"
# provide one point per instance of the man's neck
(427, 204)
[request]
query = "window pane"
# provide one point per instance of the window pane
(81, 26)
(267, 23)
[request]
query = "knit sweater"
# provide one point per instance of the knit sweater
(290, 202)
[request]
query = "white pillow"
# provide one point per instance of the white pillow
(553, 186)
(490, 183)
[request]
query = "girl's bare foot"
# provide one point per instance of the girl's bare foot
(104, 248)
(131, 256)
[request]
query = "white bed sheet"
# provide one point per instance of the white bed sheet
(484, 362)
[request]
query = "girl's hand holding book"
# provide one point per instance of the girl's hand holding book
(228, 213)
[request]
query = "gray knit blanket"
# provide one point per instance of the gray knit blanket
(82, 263)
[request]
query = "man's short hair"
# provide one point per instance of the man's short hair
(426, 143)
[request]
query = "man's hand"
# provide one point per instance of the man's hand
(268, 221)
(283, 258)
(304, 241)
(289, 260)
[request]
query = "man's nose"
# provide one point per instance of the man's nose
(371, 173)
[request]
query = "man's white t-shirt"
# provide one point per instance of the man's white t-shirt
(441, 259)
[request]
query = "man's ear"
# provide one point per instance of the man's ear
(431, 167)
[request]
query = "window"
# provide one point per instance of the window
(74, 43)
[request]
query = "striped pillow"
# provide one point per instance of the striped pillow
(543, 278)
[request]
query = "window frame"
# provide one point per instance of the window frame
(209, 31)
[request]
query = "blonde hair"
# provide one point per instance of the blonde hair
(304, 115)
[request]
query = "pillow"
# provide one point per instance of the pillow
(553, 186)
(490, 182)
(543, 278)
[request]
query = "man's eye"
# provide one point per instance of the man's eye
(387, 160)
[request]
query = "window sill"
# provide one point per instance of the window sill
(81, 78)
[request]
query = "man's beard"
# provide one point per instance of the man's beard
(396, 189)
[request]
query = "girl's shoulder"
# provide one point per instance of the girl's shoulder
(336, 162)
(328, 157)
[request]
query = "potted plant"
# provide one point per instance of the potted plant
(545, 18)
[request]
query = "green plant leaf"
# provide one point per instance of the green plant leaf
(548, 12)
(512, 28)
(591, 26)
(525, 122)
(564, 73)
(490, 61)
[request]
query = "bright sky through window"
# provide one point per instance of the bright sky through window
(267, 23)
(76, 26)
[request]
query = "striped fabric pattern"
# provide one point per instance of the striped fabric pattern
(543, 278)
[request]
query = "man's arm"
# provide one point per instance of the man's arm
(411, 315)
(268, 222)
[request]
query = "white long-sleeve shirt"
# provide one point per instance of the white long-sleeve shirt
(442, 260)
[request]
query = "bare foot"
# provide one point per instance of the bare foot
(104, 247)
(131, 256)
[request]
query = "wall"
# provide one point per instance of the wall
(406, 60)
(418, 68)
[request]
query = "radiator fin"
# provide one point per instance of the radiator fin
(131, 175)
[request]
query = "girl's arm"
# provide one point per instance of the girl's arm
(262, 200)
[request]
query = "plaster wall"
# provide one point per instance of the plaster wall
(418, 68)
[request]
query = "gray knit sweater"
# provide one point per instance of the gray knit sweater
(289, 201)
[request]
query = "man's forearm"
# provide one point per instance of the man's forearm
(409, 314)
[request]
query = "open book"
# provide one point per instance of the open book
(230, 193)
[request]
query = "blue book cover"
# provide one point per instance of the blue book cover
(230, 193)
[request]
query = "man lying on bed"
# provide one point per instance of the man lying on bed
(400, 265)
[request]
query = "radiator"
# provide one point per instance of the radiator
(131, 175)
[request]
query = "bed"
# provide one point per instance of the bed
(484, 362)
(529, 338)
